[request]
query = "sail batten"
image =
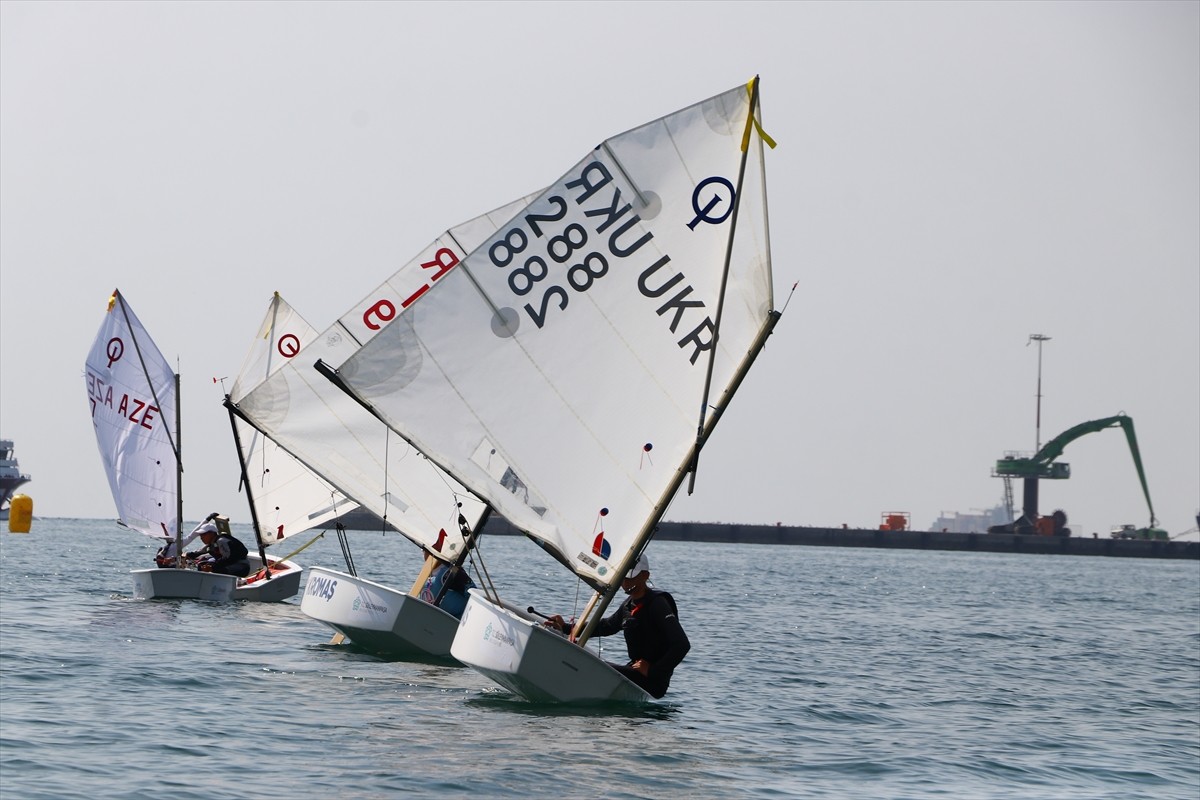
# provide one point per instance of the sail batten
(558, 370)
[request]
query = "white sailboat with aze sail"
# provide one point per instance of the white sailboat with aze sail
(133, 396)
(301, 412)
(571, 368)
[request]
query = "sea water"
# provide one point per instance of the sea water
(814, 672)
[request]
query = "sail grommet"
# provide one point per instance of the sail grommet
(649, 205)
(505, 322)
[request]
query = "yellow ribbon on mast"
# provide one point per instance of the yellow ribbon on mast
(752, 120)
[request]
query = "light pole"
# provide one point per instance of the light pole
(1039, 338)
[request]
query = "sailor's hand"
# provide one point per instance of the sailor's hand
(555, 622)
(642, 666)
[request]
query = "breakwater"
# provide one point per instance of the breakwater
(906, 540)
(869, 537)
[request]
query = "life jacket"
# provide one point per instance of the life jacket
(237, 550)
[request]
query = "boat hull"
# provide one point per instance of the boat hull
(378, 618)
(284, 582)
(519, 653)
(185, 584)
(193, 584)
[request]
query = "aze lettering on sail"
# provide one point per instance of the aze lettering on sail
(588, 232)
(131, 409)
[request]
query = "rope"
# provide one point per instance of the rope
(302, 548)
(489, 587)
(341, 532)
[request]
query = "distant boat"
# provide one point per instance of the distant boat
(11, 477)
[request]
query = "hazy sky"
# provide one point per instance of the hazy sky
(950, 178)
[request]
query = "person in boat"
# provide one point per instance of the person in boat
(165, 557)
(222, 553)
(650, 620)
(456, 582)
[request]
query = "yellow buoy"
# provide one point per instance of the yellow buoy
(20, 513)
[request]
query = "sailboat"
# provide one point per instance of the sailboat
(133, 395)
(334, 437)
(134, 398)
(571, 368)
(285, 497)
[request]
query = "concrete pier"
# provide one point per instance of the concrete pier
(869, 537)
(907, 540)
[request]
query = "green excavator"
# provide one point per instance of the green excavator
(1044, 466)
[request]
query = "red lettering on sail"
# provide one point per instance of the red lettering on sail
(444, 259)
(412, 298)
(288, 345)
(384, 311)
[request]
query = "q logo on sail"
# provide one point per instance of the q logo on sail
(114, 351)
(703, 214)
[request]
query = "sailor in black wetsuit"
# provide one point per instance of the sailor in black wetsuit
(221, 553)
(653, 635)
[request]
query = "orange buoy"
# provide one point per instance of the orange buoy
(20, 513)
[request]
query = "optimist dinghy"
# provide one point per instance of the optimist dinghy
(558, 370)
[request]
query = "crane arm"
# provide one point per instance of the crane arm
(1054, 448)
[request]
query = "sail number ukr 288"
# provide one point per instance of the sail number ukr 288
(568, 237)
(558, 240)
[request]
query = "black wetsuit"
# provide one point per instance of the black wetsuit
(652, 633)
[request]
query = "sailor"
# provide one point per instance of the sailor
(454, 596)
(222, 553)
(650, 620)
(165, 557)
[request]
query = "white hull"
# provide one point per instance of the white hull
(517, 652)
(378, 618)
(186, 584)
(192, 584)
(284, 582)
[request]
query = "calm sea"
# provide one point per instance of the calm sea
(814, 672)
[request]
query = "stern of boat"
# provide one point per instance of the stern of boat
(283, 583)
(187, 584)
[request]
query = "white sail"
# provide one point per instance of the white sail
(560, 370)
(333, 435)
(288, 497)
(132, 396)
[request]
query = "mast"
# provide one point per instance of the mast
(178, 469)
(177, 442)
(237, 442)
(712, 353)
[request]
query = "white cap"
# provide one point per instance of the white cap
(208, 527)
(642, 565)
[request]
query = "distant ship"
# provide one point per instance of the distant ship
(11, 478)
